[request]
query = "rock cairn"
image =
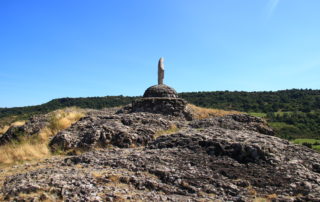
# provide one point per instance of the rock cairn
(161, 99)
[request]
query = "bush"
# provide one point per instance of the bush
(307, 144)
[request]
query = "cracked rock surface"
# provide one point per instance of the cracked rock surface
(138, 156)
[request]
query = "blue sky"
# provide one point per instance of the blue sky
(80, 48)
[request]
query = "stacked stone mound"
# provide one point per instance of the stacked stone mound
(161, 99)
(160, 91)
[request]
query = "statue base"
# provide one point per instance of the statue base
(162, 105)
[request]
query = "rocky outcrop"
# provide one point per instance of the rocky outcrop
(137, 156)
(31, 127)
(235, 122)
(121, 130)
(138, 129)
(66, 183)
(216, 164)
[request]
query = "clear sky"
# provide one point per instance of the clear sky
(80, 48)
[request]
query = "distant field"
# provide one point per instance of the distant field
(258, 114)
(264, 115)
(313, 143)
(299, 127)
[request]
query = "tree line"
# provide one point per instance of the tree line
(266, 101)
(293, 113)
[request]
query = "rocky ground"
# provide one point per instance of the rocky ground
(152, 157)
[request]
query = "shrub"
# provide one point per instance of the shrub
(307, 144)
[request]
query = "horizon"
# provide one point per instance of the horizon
(142, 95)
(57, 49)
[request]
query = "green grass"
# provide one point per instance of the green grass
(309, 141)
(279, 125)
(282, 113)
(316, 147)
(300, 141)
(264, 115)
(258, 114)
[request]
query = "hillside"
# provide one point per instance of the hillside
(264, 101)
(88, 102)
(158, 148)
(293, 113)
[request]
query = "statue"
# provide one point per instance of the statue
(160, 71)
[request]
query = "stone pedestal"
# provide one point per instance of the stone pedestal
(161, 105)
(161, 99)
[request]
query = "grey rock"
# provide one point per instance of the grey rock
(166, 106)
(235, 122)
(160, 91)
(230, 158)
(122, 130)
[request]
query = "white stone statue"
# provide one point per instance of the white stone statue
(160, 71)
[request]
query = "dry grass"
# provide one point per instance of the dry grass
(64, 118)
(251, 190)
(25, 151)
(16, 123)
(114, 178)
(272, 196)
(4, 129)
(202, 113)
(36, 147)
(171, 130)
(260, 199)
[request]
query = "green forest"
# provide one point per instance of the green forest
(292, 113)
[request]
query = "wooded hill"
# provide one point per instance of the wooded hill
(293, 113)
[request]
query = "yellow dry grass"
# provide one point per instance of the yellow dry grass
(272, 196)
(261, 199)
(202, 113)
(16, 123)
(25, 151)
(173, 129)
(4, 129)
(36, 147)
(64, 118)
